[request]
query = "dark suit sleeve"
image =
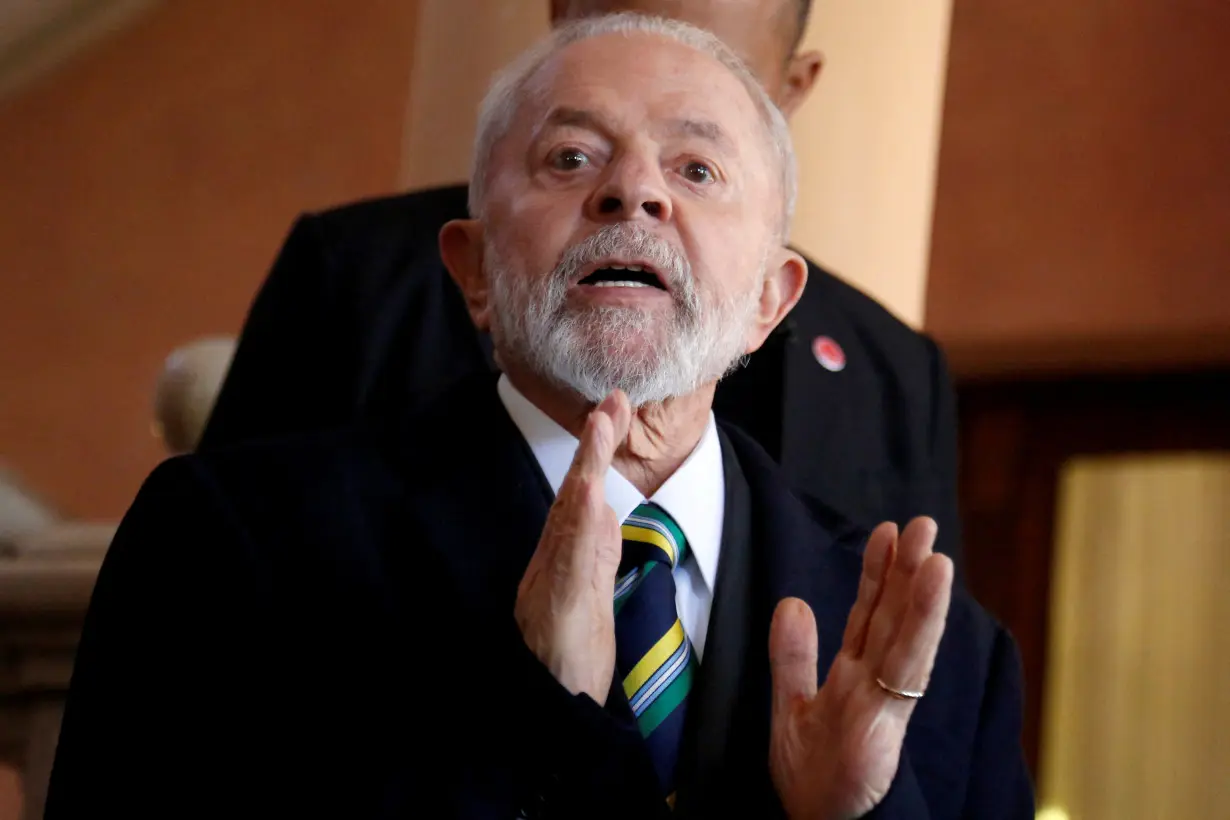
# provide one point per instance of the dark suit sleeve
(191, 670)
(1000, 787)
(904, 800)
(161, 692)
(562, 755)
(943, 436)
(296, 364)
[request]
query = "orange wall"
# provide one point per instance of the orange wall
(144, 190)
(1082, 216)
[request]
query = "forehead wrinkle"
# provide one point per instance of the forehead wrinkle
(566, 116)
(540, 85)
(706, 130)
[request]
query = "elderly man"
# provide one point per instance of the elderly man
(568, 592)
(359, 319)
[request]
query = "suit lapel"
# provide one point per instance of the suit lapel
(465, 450)
(818, 414)
(807, 406)
(791, 554)
(802, 555)
(712, 707)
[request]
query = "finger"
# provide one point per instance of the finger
(793, 650)
(913, 548)
(598, 442)
(877, 558)
(918, 541)
(581, 514)
(621, 415)
(911, 658)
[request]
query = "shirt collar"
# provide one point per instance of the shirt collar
(694, 495)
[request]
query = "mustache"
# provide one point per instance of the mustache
(623, 239)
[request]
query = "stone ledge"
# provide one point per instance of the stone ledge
(63, 540)
(44, 586)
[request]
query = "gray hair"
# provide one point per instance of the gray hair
(499, 106)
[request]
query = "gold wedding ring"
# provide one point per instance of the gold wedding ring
(899, 694)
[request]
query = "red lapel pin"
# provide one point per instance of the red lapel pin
(830, 355)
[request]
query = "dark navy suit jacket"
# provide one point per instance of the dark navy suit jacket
(322, 626)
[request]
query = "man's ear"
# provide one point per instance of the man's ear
(461, 248)
(801, 74)
(785, 278)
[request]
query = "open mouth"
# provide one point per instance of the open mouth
(624, 276)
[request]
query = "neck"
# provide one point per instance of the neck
(661, 437)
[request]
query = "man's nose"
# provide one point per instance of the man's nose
(633, 189)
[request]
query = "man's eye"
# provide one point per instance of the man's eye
(570, 159)
(699, 173)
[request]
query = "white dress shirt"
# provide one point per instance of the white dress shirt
(695, 496)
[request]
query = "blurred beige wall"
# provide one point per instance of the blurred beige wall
(460, 43)
(867, 140)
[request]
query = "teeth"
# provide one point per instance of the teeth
(619, 285)
(625, 267)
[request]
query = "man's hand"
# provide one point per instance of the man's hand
(565, 604)
(834, 752)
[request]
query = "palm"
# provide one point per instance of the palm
(835, 751)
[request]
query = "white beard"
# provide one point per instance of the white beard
(596, 350)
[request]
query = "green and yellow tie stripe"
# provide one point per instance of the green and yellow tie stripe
(653, 655)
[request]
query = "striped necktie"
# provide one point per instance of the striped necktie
(653, 656)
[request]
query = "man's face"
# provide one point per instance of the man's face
(630, 213)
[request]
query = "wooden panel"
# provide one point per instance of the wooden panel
(1016, 438)
(1083, 198)
(1136, 703)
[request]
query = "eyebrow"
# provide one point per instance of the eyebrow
(564, 117)
(702, 129)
